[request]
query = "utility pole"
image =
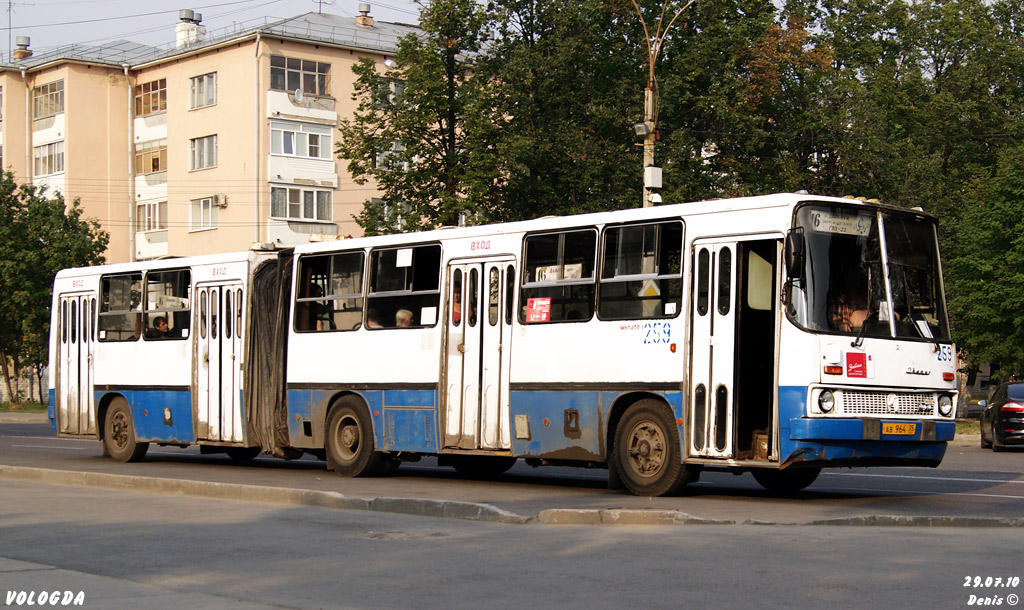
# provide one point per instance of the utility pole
(648, 129)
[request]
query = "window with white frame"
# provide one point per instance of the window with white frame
(203, 90)
(1, 103)
(151, 216)
(151, 97)
(290, 73)
(151, 157)
(392, 158)
(300, 203)
(48, 159)
(48, 99)
(202, 152)
(300, 140)
(204, 214)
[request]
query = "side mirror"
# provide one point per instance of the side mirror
(795, 254)
(982, 403)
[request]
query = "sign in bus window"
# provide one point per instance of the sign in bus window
(559, 277)
(641, 272)
(121, 307)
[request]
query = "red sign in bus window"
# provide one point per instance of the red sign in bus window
(538, 310)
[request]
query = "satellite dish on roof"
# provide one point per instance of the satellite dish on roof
(298, 95)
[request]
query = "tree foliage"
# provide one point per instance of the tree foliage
(915, 103)
(39, 235)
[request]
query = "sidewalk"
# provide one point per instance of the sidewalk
(22, 417)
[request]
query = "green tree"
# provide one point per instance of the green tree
(985, 280)
(39, 235)
(408, 131)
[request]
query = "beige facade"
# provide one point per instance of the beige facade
(206, 148)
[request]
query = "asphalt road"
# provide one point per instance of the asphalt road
(971, 486)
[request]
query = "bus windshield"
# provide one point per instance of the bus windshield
(849, 254)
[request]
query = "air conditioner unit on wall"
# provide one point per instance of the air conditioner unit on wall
(220, 201)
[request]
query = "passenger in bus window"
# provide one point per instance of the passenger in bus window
(372, 319)
(159, 330)
(403, 318)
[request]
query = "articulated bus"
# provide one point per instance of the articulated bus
(778, 335)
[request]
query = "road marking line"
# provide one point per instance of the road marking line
(907, 491)
(907, 476)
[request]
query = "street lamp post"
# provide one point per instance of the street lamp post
(647, 129)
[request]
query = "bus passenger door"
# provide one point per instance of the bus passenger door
(712, 349)
(218, 362)
(74, 397)
(479, 333)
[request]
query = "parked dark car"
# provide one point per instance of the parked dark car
(1002, 421)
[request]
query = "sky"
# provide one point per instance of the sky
(55, 23)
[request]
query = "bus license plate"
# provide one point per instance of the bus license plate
(899, 429)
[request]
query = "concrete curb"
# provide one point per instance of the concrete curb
(424, 507)
(448, 509)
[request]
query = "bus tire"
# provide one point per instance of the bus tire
(785, 481)
(119, 433)
(349, 440)
(647, 452)
(482, 467)
(242, 455)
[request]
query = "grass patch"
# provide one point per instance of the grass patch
(24, 407)
(968, 426)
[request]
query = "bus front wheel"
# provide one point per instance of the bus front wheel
(786, 481)
(647, 450)
(349, 439)
(119, 433)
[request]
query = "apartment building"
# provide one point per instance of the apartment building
(208, 147)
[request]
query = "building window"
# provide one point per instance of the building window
(151, 216)
(203, 152)
(151, 97)
(300, 203)
(48, 159)
(204, 214)
(393, 158)
(1, 103)
(300, 140)
(290, 74)
(151, 157)
(203, 90)
(48, 99)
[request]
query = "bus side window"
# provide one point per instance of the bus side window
(168, 304)
(120, 316)
(558, 277)
(329, 294)
(641, 272)
(405, 285)
(64, 322)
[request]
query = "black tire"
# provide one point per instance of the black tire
(349, 440)
(646, 450)
(119, 434)
(786, 481)
(985, 444)
(243, 455)
(996, 447)
(482, 467)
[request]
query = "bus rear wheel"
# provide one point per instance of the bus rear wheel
(646, 450)
(349, 440)
(119, 433)
(786, 481)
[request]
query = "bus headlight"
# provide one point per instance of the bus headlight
(826, 401)
(945, 405)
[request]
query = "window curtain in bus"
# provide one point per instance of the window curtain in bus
(266, 409)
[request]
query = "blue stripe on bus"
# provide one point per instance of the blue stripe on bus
(147, 408)
(403, 420)
(833, 439)
(51, 410)
(549, 434)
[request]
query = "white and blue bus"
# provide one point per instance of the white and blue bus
(778, 335)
